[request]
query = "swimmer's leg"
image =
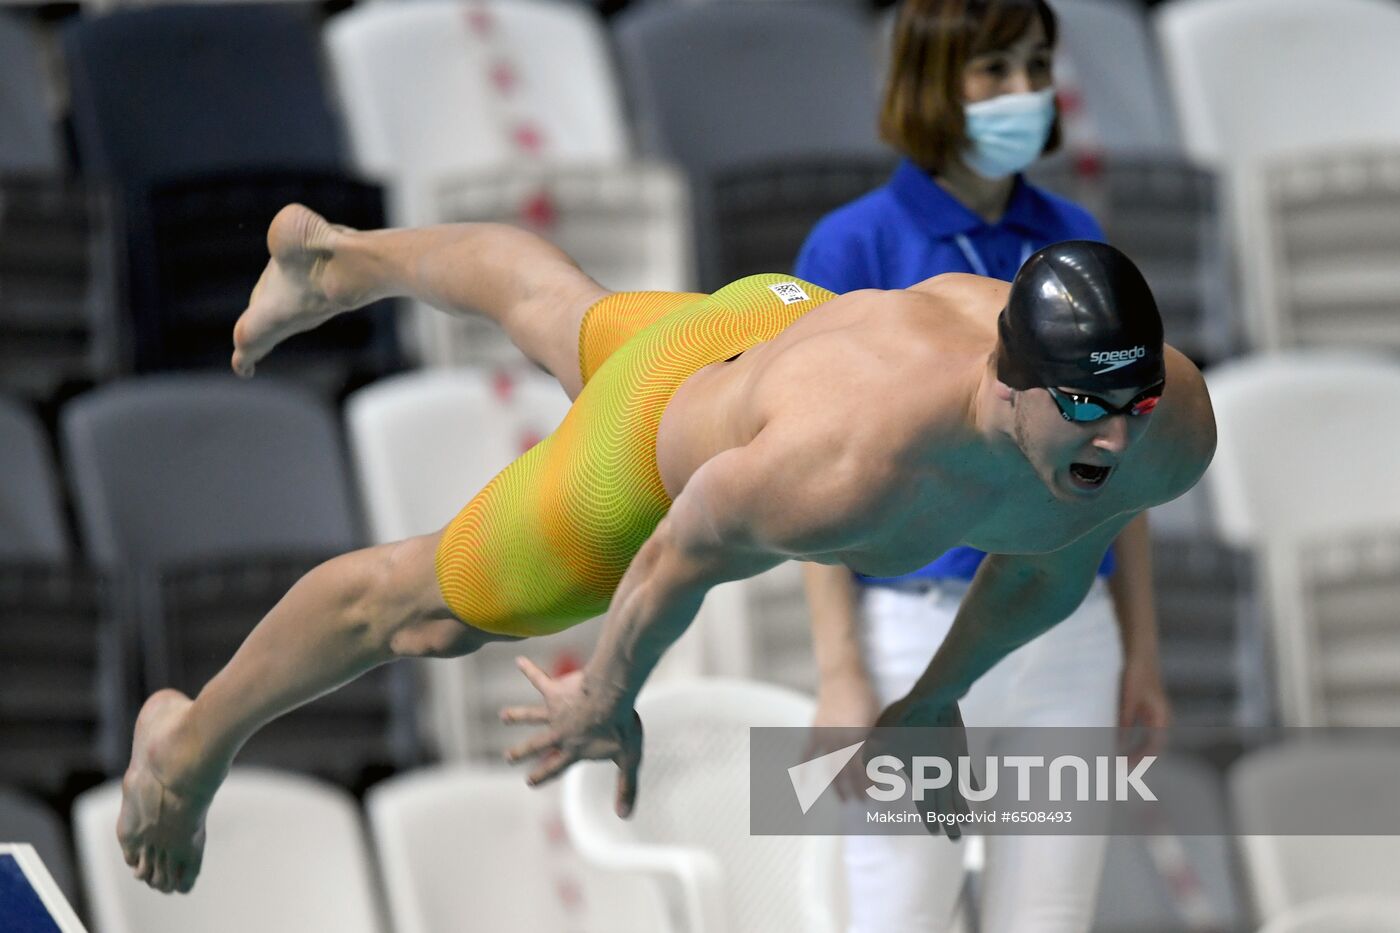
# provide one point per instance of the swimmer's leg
(343, 618)
(535, 292)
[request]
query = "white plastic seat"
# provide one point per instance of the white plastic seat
(286, 854)
(1320, 782)
(1304, 477)
(1318, 242)
(1263, 77)
(1340, 915)
(475, 848)
(691, 823)
(627, 224)
(1307, 446)
(441, 87)
(506, 110)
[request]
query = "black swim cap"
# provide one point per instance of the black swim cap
(1079, 315)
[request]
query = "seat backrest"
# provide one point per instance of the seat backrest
(1107, 57)
(1335, 638)
(31, 514)
(733, 83)
(1340, 915)
(285, 854)
(1318, 249)
(176, 90)
(1307, 446)
(426, 442)
(1259, 77)
(446, 86)
(1317, 782)
(452, 843)
(694, 794)
(173, 469)
(23, 819)
(28, 143)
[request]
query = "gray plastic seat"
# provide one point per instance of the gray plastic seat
(23, 819)
(770, 107)
(206, 119)
(56, 319)
(63, 673)
(1107, 55)
(216, 495)
(28, 143)
(31, 515)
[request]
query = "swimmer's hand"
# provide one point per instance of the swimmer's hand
(952, 745)
(582, 724)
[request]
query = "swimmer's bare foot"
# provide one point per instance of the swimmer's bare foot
(308, 280)
(165, 799)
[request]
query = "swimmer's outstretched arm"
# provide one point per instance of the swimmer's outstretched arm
(535, 292)
(1013, 598)
(714, 533)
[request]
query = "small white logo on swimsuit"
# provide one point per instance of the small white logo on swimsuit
(1116, 359)
(789, 292)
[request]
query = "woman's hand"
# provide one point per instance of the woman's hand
(583, 723)
(847, 703)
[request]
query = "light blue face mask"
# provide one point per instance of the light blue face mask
(1007, 133)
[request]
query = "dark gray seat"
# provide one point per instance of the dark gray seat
(770, 108)
(23, 819)
(56, 317)
(207, 119)
(216, 495)
(63, 674)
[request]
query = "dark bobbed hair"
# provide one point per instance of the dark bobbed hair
(922, 111)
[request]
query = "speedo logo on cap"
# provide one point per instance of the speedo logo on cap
(1115, 359)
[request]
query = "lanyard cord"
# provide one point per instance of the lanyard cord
(974, 258)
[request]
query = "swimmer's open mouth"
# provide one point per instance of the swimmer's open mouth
(1087, 476)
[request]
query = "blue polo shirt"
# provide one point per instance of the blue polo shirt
(911, 229)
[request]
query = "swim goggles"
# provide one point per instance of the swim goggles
(1081, 408)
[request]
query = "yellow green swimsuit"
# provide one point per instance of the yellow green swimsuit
(544, 545)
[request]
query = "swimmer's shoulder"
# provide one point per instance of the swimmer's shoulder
(1184, 435)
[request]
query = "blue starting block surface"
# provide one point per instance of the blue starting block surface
(30, 901)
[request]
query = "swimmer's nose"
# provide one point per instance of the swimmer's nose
(1111, 434)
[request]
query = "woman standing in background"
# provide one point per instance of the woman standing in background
(970, 103)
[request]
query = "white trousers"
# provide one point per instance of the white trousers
(1030, 884)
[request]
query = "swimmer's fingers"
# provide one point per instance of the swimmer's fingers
(629, 763)
(525, 714)
(538, 678)
(534, 745)
(549, 769)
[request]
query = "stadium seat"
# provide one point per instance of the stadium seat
(23, 819)
(1291, 483)
(1304, 785)
(1231, 62)
(286, 854)
(473, 846)
(207, 119)
(1160, 875)
(64, 678)
(770, 108)
(1319, 241)
(627, 224)
(506, 111)
(1340, 915)
(57, 323)
(217, 495)
(691, 824)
